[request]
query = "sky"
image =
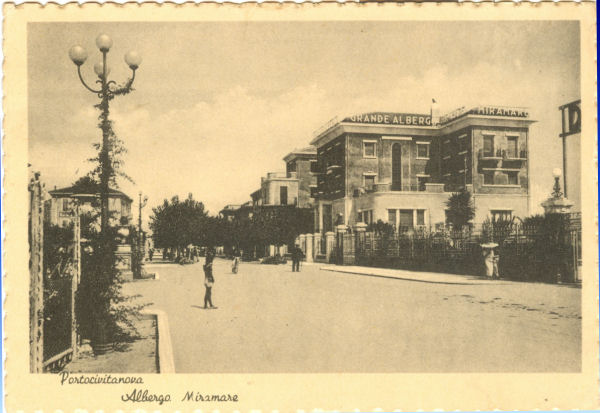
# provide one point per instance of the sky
(217, 105)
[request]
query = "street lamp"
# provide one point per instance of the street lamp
(108, 90)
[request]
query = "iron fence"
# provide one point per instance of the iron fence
(547, 250)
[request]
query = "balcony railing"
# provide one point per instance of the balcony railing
(499, 154)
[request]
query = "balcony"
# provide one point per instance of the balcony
(502, 154)
(496, 155)
(388, 187)
(516, 156)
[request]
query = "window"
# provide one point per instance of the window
(462, 143)
(369, 181)
(488, 178)
(283, 195)
(512, 146)
(314, 166)
(114, 204)
(313, 192)
(513, 177)
(501, 214)
(66, 204)
(422, 180)
(420, 217)
(446, 148)
(291, 166)
(406, 218)
(369, 149)
(366, 217)
(422, 150)
(392, 217)
(488, 145)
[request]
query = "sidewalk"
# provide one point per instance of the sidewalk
(138, 356)
(427, 277)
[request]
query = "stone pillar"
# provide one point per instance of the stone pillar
(359, 229)
(317, 244)
(36, 276)
(302, 241)
(309, 248)
(329, 244)
(340, 231)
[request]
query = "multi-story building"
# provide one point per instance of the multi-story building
(296, 186)
(59, 209)
(401, 168)
(302, 164)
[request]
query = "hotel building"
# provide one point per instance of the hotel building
(401, 168)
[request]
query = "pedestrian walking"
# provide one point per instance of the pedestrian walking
(236, 261)
(297, 255)
(209, 281)
(150, 253)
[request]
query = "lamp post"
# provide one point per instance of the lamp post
(556, 192)
(557, 203)
(141, 205)
(108, 90)
(101, 335)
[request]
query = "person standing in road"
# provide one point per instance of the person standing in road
(209, 281)
(297, 255)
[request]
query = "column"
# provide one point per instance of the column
(302, 239)
(317, 244)
(309, 248)
(329, 243)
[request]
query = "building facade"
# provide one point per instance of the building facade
(59, 209)
(302, 164)
(401, 168)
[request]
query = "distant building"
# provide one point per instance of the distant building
(59, 208)
(229, 212)
(302, 164)
(401, 168)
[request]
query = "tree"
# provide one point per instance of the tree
(460, 209)
(176, 224)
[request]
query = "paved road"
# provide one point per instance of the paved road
(272, 320)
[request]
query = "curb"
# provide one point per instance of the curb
(166, 363)
(473, 282)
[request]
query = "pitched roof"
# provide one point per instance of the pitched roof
(85, 190)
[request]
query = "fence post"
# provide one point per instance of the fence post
(360, 229)
(309, 247)
(340, 230)
(302, 239)
(329, 238)
(76, 278)
(316, 244)
(36, 276)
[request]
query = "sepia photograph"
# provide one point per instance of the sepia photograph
(328, 201)
(221, 210)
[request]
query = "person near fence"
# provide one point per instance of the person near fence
(209, 280)
(297, 255)
(489, 259)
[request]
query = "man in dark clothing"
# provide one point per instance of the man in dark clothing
(297, 255)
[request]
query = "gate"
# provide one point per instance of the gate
(54, 271)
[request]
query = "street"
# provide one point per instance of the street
(271, 320)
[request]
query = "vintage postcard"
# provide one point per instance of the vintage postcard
(300, 207)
